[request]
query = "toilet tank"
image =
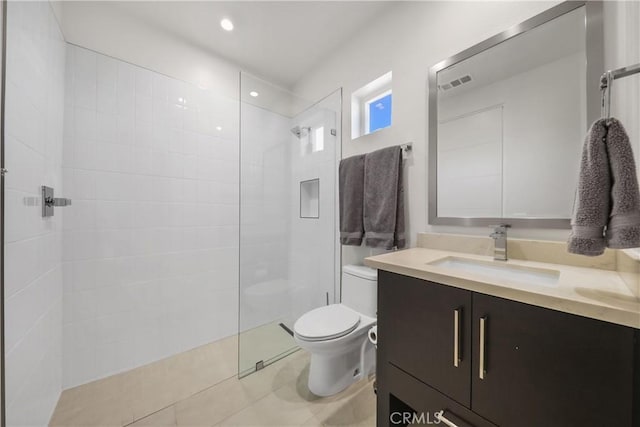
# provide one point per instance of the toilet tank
(360, 288)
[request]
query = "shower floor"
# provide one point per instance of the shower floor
(200, 388)
(121, 399)
(268, 343)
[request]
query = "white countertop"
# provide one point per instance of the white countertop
(588, 292)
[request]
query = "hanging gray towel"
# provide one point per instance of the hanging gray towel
(591, 208)
(623, 230)
(607, 197)
(384, 199)
(351, 194)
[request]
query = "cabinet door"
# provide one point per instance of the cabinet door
(547, 368)
(424, 329)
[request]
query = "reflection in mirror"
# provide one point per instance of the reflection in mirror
(510, 120)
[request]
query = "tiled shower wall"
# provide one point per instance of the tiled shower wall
(150, 245)
(287, 261)
(33, 276)
(313, 249)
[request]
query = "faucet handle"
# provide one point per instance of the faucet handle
(500, 237)
(499, 230)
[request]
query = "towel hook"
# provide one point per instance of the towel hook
(605, 86)
(406, 150)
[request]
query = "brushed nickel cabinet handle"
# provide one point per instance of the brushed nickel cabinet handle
(483, 326)
(440, 417)
(456, 337)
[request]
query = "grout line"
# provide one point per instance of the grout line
(135, 420)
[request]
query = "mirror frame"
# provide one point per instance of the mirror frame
(595, 66)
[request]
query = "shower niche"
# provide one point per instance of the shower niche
(310, 198)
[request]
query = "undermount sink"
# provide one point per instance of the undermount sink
(500, 270)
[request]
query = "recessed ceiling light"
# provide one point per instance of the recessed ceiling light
(254, 93)
(226, 24)
(218, 127)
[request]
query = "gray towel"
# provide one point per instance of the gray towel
(351, 194)
(623, 230)
(607, 193)
(384, 199)
(591, 208)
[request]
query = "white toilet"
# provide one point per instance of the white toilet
(336, 334)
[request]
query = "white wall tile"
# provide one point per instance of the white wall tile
(160, 87)
(144, 108)
(106, 126)
(114, 214)
(137, 244)
(84, 63)
(176, 113)
(107, 71)
(160, 112)
(85, 91)
(26, 179)
(144, 80)
(85, 127)
(106, 98)
(83, 275)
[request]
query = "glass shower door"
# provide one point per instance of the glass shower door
(288, 244)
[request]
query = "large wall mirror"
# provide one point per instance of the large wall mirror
(507, 119)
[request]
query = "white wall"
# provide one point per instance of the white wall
(151, 241)
(33, 277)
(622, 48)
(414, 36)
(408, 39)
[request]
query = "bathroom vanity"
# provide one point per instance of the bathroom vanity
(490, 349)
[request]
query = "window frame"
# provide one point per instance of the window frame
(362, 97)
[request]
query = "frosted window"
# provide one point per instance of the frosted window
(379, 113)
(318, 139)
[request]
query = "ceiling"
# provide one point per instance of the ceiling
(280, 41)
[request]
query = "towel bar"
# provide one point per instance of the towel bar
(606, 81)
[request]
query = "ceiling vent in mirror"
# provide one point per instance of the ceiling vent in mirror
(455, 83)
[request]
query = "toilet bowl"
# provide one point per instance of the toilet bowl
(336, 334)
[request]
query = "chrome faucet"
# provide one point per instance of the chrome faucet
(499, 236)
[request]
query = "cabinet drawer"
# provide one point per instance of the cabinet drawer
(424, 328)
(410, 396)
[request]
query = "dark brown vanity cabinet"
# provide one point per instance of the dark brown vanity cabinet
(518, 365)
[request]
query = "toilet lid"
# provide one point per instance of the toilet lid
(325, 323)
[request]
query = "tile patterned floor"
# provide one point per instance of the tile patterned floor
(200, 388)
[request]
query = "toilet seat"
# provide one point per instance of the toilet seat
(326, 323)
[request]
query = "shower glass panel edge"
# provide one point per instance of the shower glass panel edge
(3, 66)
